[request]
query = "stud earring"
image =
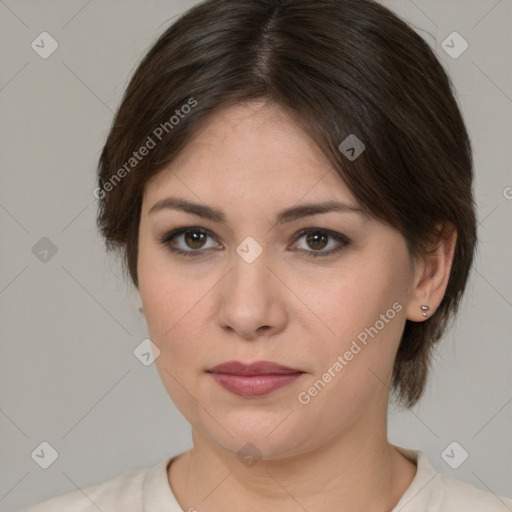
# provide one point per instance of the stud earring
(425, 309)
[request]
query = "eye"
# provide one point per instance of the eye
(193, 241)
(194, 238)
(318, 239)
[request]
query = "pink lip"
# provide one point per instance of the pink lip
(256, 379)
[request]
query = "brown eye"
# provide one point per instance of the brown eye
(317, 240)
(195, 239)
(188, 241)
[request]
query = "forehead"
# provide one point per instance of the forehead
(251, 150)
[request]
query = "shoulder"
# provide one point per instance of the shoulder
(450, 493)
(431, 490)
(122, 493)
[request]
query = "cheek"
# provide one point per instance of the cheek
(171, 307)
(175, 319)
(160, 292)
(161, 287)
(175, 309)
(365, 314)
(358, 300)
(354, 366)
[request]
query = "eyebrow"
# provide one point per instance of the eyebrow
(283, 216)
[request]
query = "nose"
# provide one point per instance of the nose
(251, 301)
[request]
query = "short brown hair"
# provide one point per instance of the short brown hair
(338, 67)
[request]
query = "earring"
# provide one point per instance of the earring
(424, 309)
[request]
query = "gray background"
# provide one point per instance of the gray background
(68, 375)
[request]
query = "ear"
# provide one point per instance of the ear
(431, 276)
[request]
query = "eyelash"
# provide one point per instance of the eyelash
(167, 238)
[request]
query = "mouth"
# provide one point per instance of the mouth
(255, 379)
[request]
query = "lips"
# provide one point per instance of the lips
(257, 368)
(255, 379)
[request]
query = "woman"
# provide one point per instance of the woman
(279, 178)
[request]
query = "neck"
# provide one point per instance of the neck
(359, 469)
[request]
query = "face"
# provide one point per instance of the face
(323, 294)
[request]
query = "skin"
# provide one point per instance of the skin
(250, 161)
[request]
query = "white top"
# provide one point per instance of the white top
(148, 490)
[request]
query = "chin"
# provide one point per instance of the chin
(257, 437)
